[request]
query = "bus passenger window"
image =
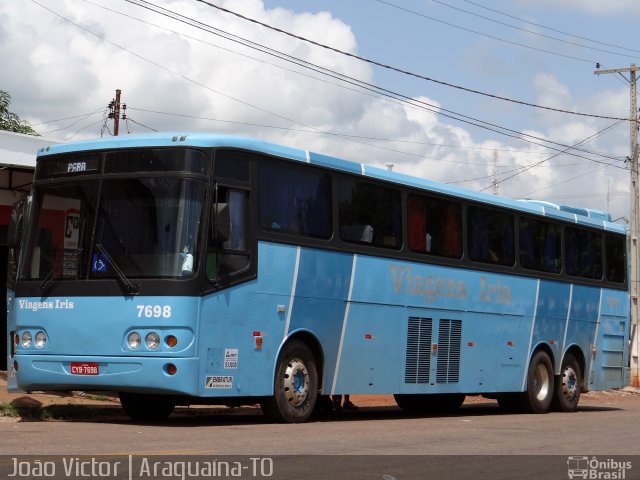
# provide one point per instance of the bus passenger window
(540, 245)
(583, 253)
(616, 259)
(435, 226)
(295, 201)
(491, 236)
(370, 214)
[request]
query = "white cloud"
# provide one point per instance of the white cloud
(54, 69)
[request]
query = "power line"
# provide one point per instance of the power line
(360, 83)
(589, 138)
(399, 70)
(493, 37)
(531, 32)
(550, 28)
(362, 137)
(517, 135)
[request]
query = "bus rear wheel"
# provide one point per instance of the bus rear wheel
(539, 393)
(295, 385)
(146, 408)
(429, 403)
(569, 387)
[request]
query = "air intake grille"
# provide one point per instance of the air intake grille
(449, 339)
(418, 360)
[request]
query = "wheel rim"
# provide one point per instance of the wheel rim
(569, 383)
(296, 382)
(541, 382)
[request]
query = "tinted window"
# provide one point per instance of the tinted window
(583, 253)
(616, 254)
(490, 234)
(540, 245)
(295, 201)
(370, 214)
(435, 226)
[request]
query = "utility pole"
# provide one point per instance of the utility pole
(634, 228)
(114, 112)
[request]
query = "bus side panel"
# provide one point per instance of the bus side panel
(551, 317)
(320, 302)
(242, 328)
(581, 328)
(610, 367)
(414, 328)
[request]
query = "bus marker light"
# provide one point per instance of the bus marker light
(510, 343)
(16, 339)
(593, 351)
(434, 348)
(258, 343)
(369, 336)
(470, 344)
(171, 341)
(171, 369)
(259, 334)
(552, 342)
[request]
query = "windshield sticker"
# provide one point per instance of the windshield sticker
(99, 263)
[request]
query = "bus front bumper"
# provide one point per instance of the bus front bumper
(132, 374)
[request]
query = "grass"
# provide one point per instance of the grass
(57, 412)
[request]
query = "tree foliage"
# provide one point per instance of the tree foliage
(10, 121)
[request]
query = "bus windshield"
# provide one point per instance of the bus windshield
(137, 227)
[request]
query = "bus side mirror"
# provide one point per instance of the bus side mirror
(221, 224)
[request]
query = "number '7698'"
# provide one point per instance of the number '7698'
(154, 311)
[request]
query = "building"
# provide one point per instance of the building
(17, 164)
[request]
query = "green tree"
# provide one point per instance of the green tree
(10, 121)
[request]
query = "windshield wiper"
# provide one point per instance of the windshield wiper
(48, 281)
(128, 286)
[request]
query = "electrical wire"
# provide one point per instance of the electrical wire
(588, 139)
(400, 70)
(387, 93)
(550, 28)
(531, 32)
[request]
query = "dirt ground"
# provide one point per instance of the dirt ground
(47, 399)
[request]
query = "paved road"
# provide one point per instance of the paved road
(606, 425)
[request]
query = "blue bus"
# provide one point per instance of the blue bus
(194, 268)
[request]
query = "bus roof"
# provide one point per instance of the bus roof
(582, 216)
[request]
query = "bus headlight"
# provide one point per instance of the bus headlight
(26, 339)
(41, 339)
(134, 340)
(153, 341)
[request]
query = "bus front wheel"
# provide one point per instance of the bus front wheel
(295, 385)
(539, 393)
(146, 408)
(569, 387)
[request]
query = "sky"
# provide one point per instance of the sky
(465, 92)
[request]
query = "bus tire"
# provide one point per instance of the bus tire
(539, 393)
(429, 403)
(146, 408)
(568, 386)
(295, 385)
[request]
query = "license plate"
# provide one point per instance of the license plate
(84, 368)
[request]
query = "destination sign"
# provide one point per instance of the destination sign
(74, 165)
